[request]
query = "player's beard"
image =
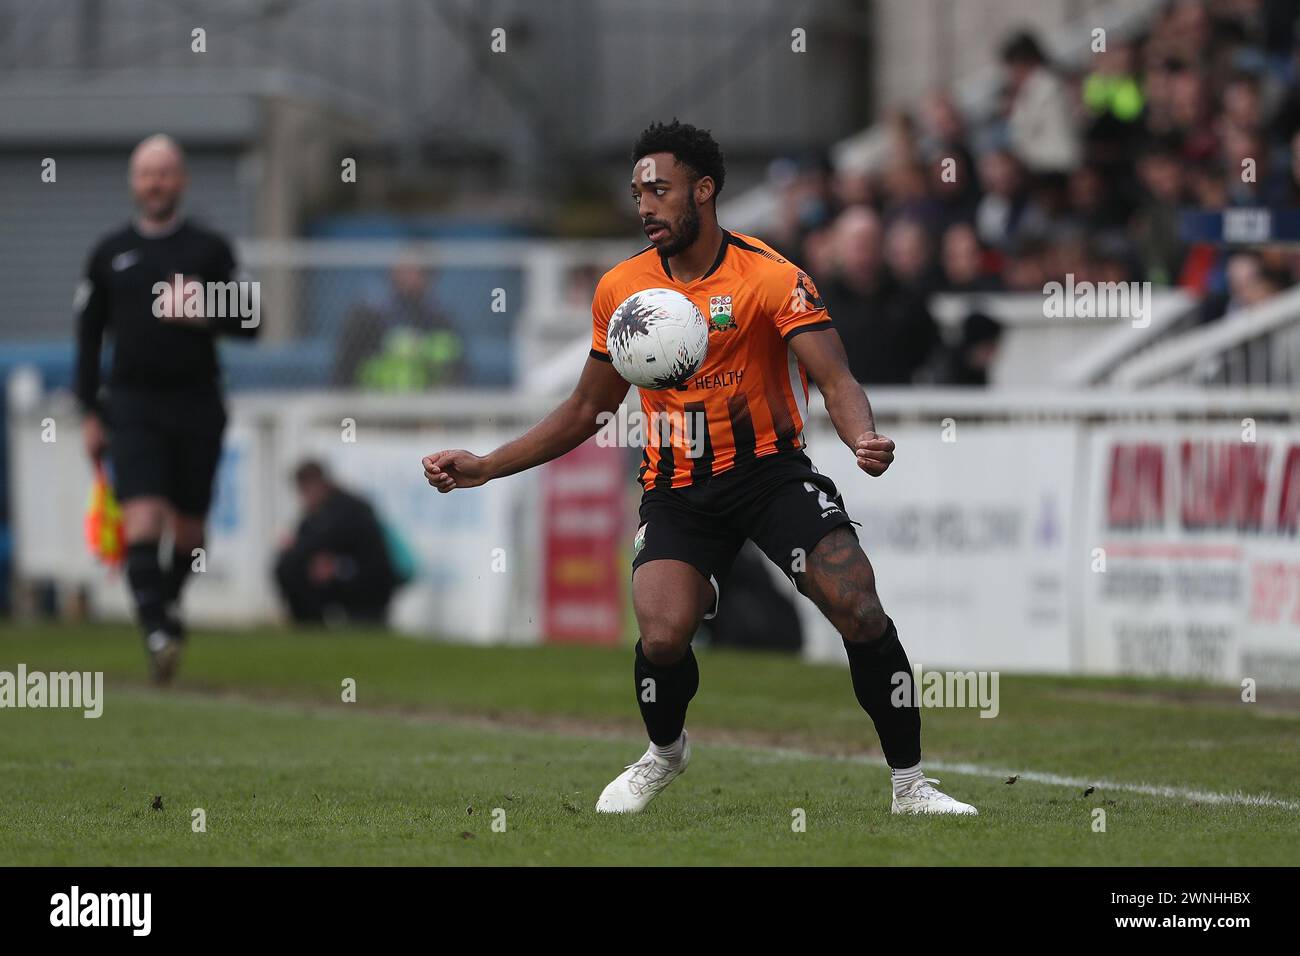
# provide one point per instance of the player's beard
(684, 231)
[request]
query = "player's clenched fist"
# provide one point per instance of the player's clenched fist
(874, 452)
(446, 470)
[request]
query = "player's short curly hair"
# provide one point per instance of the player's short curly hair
(690, 145)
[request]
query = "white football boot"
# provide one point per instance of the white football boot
(920, 797)
(641, 782)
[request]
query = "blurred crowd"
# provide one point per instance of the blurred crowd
(1072, 172)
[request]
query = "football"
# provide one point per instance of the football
(657, 338)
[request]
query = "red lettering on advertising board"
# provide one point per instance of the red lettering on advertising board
(1222, 485)
(1288, 502)
(582, 525)
(1274, 588)
(1137, 486)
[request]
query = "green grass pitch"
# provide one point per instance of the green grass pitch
(444, 739)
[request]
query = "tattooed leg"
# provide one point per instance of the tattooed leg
(839, 580)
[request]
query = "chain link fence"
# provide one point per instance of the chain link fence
(399, 318)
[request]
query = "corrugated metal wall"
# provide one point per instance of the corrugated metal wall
(577, 71)
(47, 229)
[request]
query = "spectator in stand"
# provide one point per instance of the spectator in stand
(904, 139)
(1066, 252)
(1155, 225)
(963, 262)
(1208, 184)
(819, 254)
(998, 213)
(855, 281)
(1040, 118)
(909, 259)
(952, 166)
(806, 200)
(1111, 261)
(1242, 103)
(1184, 31)
(403, 342)
(1250, 283)
(1115, 104)
(1086, 175)
(1113, 89)
(1253, 176)
(908, 195)
(1190, 113)
(1024, 268)
(969, 362)
(337, 565)
(1248, 280)
(1048, 214)
(943, 131)
(887, 329)
(955, 191)
(1092, 204)
(855, 188)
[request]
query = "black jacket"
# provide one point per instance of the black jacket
(346, 526)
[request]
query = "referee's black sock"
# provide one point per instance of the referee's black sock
(148, 586)
(873, 665)
(663, 694)
(177, 574)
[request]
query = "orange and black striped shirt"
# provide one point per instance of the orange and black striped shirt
(750, 398)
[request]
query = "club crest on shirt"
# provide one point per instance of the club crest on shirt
(720, 314)
(805, 297)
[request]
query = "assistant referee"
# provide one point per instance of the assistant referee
(159, 416)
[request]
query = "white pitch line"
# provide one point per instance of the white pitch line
(1236, 798)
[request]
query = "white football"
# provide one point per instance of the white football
(657, 338)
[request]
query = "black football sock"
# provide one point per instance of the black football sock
(873, 665)
(663, 694)
(148, 585)
(177, 574)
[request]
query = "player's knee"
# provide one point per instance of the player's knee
(188, 535)
(866, 620)
(143, 520)
(665, 641)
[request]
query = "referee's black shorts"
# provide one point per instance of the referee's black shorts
(780, 502)
(165, 443)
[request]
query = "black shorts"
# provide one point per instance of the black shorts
(165, 443)
(780, 502)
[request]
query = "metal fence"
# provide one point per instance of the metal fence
(412, 317)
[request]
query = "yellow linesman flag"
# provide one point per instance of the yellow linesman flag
(104, 521)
